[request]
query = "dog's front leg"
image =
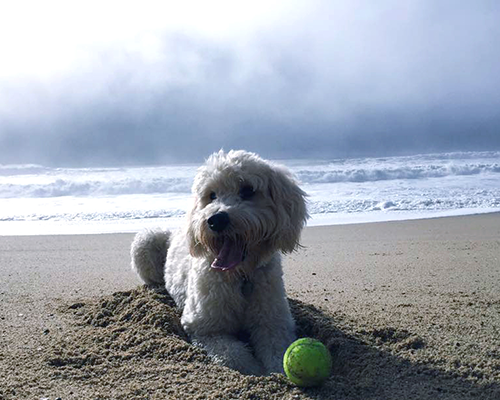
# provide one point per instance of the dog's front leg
(270, 337)
(268, 319)
(271, 327)
(229, 351)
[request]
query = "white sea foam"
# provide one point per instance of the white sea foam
(385, 173)
(340, 191)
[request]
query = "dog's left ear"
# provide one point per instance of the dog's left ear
(290, 208)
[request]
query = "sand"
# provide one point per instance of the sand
(409, 310)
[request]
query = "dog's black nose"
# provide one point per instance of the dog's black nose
(219, 221)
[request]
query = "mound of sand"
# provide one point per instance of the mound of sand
(131, 345)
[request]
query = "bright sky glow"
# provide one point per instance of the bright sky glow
(45, 38)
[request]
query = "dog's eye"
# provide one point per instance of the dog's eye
(212, 196)
(247, 192)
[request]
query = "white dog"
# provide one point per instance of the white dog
(224, 269)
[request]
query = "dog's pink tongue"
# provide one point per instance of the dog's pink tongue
(230, 255)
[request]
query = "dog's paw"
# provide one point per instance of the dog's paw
(229, 351)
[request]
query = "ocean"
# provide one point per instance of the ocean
(38, 200)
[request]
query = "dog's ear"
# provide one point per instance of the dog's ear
(290, 208)
(195, 247)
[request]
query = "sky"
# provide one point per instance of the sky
(100, 83)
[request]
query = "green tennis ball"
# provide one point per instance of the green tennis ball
(307, 362)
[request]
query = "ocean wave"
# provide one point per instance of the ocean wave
(36, 181)
(69, 187)
(374, 174)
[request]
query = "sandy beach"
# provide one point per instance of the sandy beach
(409, 310)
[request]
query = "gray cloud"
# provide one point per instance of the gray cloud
(341, 79)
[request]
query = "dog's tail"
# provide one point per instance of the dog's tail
(148, 253)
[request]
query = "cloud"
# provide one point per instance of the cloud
(286, 79)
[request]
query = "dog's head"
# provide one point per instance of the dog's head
(245, 210)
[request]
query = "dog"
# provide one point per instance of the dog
(223, 269)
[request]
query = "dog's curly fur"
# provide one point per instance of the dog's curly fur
(224, 269)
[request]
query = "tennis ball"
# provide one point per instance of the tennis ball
(307, 362)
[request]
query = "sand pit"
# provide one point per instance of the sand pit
(131, 345)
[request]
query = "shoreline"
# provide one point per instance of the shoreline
(16, 228)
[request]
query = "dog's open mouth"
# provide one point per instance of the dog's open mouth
(230, 252)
